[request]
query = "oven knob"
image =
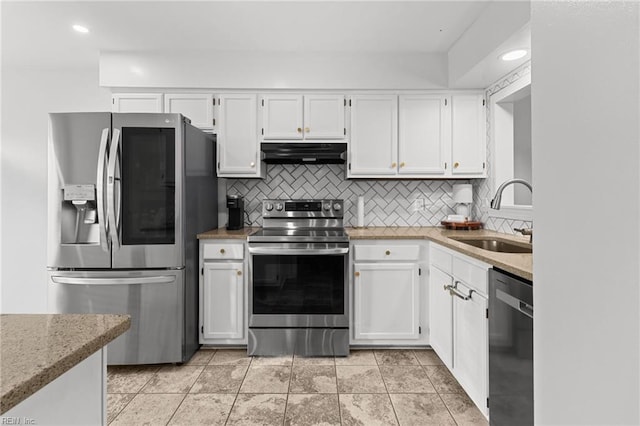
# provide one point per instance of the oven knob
(268, 207)
(279, 206)
(327, 206)
(337, 206)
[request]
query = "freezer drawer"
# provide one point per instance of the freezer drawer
(154, 299)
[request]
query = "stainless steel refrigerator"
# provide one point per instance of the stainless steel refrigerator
(127, 195)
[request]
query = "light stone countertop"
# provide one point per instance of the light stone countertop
(224, 234)
(517, 263)
(38, 348)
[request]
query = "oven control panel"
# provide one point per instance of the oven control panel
(303, 208)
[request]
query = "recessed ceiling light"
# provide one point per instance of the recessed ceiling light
(81, 29)
(514, 54)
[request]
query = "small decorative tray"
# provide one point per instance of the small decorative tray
(469, 225)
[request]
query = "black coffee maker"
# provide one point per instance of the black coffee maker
(235, 205)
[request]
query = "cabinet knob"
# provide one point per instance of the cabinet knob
(388, 252)
(306, 129)
(299, 129)
(239, 272)
(221, 251)
(357, 274)
(402, 164)
(253, 164)
(456, 165)
(393, 165)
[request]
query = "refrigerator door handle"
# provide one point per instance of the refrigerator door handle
(111, 192)
(102, 212)
(113, 281)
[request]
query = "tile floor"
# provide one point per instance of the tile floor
(225, 387)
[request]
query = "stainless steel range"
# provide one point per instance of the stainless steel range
(298, 293)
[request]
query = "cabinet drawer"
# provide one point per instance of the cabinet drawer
(473, 275)
(409, 252)
(441, 259)
(223, 251)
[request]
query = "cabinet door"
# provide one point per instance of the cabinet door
(136, 102)
(373, 147)
(386, 304)
(422, 134)
(324, 117)
(441, 315)
(282, 117)
(468, 141)
(223, 294)
(238, 146)
(471, 345)
(198, 107)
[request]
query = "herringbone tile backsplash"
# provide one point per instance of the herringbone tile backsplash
(387, 202)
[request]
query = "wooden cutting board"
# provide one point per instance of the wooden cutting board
(469, 225)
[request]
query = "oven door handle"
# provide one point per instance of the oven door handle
(308, 251)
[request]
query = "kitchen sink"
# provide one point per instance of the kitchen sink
(494, 244)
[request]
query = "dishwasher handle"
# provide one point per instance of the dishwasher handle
(515, 303)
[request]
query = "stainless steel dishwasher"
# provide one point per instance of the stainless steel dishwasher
(510, 349)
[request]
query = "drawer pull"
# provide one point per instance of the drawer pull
(239, 272)
(357, 274)
(221, 251)
(388, 252)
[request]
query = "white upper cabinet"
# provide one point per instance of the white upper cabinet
(298, 117)
(282, 117)
(198, 107)
(237, 130)
(324, 117)
(429, 135)
(373, 148)
(423, 136)
(136, 102)
(468, 146)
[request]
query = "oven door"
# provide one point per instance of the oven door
(298, 285)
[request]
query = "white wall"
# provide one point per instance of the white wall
(586, 162)
(273, 70)
(28, 94)
(522, 149)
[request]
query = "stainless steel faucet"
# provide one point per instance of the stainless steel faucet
(497, 200)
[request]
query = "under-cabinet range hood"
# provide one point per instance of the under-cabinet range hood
(304, 153)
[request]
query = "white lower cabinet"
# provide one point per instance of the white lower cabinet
(458, 310)
(222, 293)
(470, 343)
(386, 290)
(441, 315)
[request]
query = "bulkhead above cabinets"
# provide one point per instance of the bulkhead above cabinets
(408, 135)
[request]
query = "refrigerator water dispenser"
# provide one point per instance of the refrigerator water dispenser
(79, 215)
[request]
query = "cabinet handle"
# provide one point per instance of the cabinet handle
(299, 129)
(253, 164)
(456, 165)
(393, 165)
(306, 129)
(402, 164)
(388, 252)
(357, 274)
(239, 272)
(221, 251)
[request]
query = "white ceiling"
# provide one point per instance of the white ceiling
(41, 34)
